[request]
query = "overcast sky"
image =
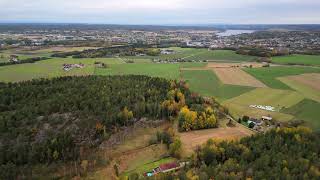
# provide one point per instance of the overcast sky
(162, 11)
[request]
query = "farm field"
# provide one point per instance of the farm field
(306, 84)
(310, 60)
(191, 140)
(207, 83)
(170, 71)
(236, 76)
(308, 111)
(269, 75)
(49, 68)
(279, 99)
(200, 55)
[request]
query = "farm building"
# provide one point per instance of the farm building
(167, 51)
(164, 168)
(266, 118)
(14, 58)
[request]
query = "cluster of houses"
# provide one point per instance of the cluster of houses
(165, 168)
(267, 108)
(256, 124)
(68, 67)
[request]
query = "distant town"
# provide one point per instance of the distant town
(271, 40)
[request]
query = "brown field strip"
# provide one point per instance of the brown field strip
(192, 139)
(230, 65)
(236, 76)
(312, 80)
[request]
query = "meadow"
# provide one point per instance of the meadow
(308, 111)
(206, 82)
(50, 68)
(269, 75)
(279, 99)
(306, 90)
(310, 60)
(194, 54)
(169, 71)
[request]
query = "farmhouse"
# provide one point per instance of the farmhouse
(164, 168)
(167, 51)
(266, 118)
(14, 58)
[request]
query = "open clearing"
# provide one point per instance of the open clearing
(311, 60)
(308, 111)
(304, 90)
(311, 80)
(192, 139)
(236, 76)
(50, 68)
(279, 99)
(205, 82)
(169, 71)
(269, 75)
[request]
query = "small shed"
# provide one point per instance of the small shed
(266, 118)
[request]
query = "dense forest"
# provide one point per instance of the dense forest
(287, 153)
(44, 121)
(131, 50)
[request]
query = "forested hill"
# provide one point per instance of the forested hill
(44, 121)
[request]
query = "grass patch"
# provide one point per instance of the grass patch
(205, 82)
(199, 54)
(269, 75)
(310, 60)
(307, 110)
(150, 166)
(279, 99)
(193, 65)
(305, 90)
(50, 68)
(169, 71)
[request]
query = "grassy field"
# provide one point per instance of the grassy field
(193, 65)
(298, 59)
(207, 83)
(200, 54)
(149, 166)
(170, 71)
(279, 99)
(305, 90)
(49, 68)
(308, 111)
(269, 75)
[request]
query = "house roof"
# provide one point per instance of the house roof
(167, 166)
(266, 117)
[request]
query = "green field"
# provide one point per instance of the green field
(309, 60)
(170, 71)
(193, 54)
(49, 68)
(150, 166)
(279, 99)
(192, 65)
(308, 111)
(205, 82)
(269, 75)
(305, 90)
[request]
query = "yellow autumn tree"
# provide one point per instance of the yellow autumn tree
(187, 119)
